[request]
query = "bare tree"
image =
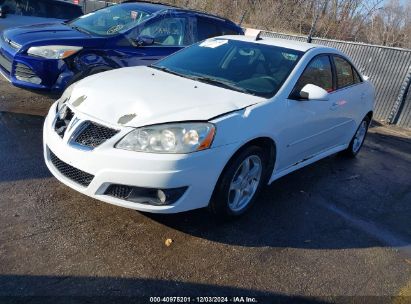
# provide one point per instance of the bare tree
(371, 21)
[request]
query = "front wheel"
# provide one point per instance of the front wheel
(358, 139)
(240, 183)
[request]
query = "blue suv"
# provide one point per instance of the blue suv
(52, 56)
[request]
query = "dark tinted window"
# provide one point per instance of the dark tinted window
(319, 73)
(62, 11)
(206, 29)
(238, 65)
(45, 9)
(344, 71)
(228, 31)
(11, 5)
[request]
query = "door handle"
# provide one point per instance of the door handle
(337, 104)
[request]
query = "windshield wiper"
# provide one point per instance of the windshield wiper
(218, 82)
(80, 29)
(221, 83)
(167, 70)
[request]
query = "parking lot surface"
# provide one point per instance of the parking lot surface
(340, 227)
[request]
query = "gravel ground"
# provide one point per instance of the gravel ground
(336, 231)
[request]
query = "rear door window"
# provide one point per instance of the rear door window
(346, 74)
(228, 31)
(207, 29)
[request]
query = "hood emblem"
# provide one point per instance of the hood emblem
(79, 101)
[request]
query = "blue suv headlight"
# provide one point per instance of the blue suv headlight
(53, 51)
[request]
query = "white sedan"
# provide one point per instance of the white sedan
(208, 126)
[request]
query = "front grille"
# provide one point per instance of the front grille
(61, 124)
(119, 191)
(92, 135)
(76, 175)
(24, 71)
(5, 63)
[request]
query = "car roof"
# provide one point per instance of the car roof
(152, 7)
(289, 44)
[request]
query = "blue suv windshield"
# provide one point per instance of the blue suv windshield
(110, 20)
(251, 68)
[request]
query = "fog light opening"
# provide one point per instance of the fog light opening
(147, 196)
(162, 196)
(31, 79)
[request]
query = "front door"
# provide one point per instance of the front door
(170, 33)
(311, 128)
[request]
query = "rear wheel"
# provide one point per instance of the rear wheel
(358, 139)
(240, 183)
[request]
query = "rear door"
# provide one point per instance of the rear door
(348, 98)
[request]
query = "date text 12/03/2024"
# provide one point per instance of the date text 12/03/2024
(203, 300)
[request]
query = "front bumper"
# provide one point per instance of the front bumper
(44, 74)
(198, 171)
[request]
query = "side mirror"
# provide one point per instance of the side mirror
(4, 9)
(313, 92)
(145, 41)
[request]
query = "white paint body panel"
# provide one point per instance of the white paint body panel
(303, 131)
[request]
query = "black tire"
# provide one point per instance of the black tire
(352, 149)
(219, 205)
(79, 76)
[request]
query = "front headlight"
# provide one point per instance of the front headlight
(53, 51)
(169, 138)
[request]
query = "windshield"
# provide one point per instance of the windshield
(251, 68)
(111, 20)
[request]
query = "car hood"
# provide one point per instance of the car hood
(46, 32)
(139, 96)
(10, 22)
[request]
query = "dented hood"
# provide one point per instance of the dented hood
(139, 96)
